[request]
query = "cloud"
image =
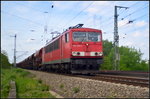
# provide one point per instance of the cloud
(145, 33)
(129, 43)
(92, 10)
(122, 22)
(140, 23)
(124, 27)
(29, 40)
(32, 2)
(137, 34)
(21, 9)
(139, 39)
(98, 8)
(65, 5)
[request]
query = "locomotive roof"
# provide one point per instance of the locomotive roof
(85, 29)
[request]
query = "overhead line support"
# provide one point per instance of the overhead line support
(116, 39)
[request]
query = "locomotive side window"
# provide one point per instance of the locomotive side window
(56, 44)
(53, 46)
(86, 36)
(50, 47)
(67, 37)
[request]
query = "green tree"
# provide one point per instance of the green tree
(130, 58)
(107, 61)
(107, 46)
(4, 60)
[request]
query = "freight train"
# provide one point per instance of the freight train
(76, 50)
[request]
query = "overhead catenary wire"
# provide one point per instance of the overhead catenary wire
(30, 21)
(25, 53)
(106, 12)
(130, 30)
(47, 19)
(135, 4)
(134, 12)
(134, 19)
(125, 31)
(130, 15)
(127, 23)
(64, 17)
(109, 20)
(79, 13)
(111, 17)
(20, 46)
(37, 10)
(131, 6)
(102, 11)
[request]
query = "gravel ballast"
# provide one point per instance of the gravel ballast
(73, 87)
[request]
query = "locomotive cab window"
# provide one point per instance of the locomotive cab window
(67, 37)
(95, 37)
(86, 36)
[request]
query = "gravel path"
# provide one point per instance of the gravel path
(73, 87)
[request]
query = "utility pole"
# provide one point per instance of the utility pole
(14, 50)
(116, 39)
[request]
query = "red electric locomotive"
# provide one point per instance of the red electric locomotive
(77, 50)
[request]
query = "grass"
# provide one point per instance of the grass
(40, 81)
(76, 89)
(26, 86)
(61, 86)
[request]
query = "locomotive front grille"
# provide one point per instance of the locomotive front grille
(87, 61)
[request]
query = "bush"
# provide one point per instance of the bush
(5, 90)
(4, 60)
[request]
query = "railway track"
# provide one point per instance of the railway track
(122, 79)
(125, 73)
(135, 81)
(129, 80)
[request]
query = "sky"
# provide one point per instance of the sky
(29, 19)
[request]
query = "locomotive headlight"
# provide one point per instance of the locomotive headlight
(78, 53)
(100, 53)
(74, 53)
(96, 53)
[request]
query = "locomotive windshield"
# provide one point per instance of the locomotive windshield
(86, 36)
